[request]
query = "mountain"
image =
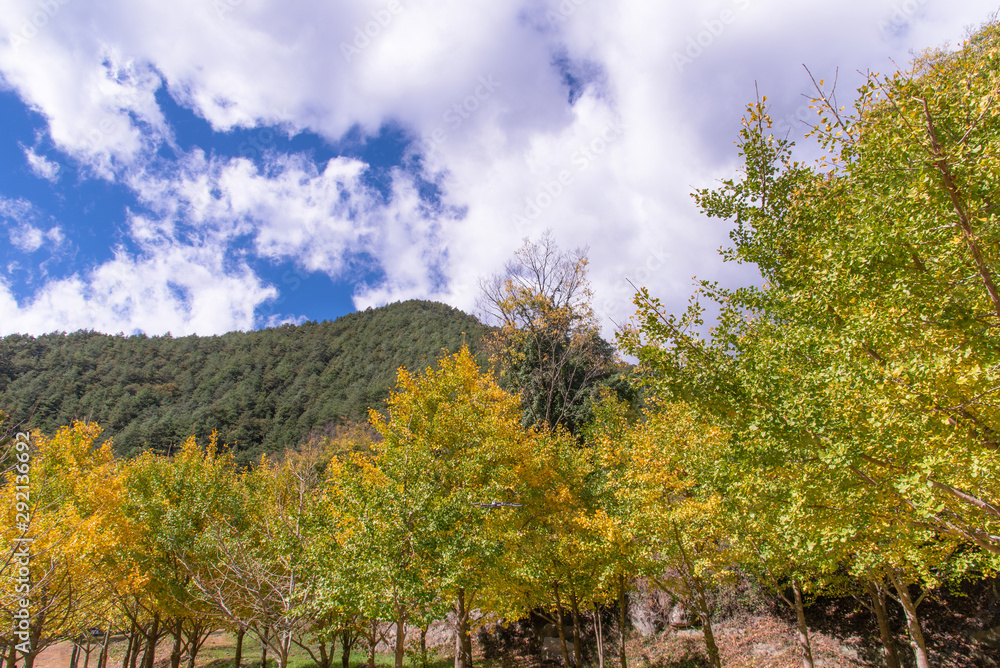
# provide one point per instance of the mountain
(262, 390)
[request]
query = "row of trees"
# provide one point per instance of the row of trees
(448, 503)
(430, 508)
(451, 505)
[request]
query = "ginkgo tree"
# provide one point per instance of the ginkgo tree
(62, 504)
(557, 561)
(249, 565)
(669, 513)
(871, 349)
(167, 505)
(408, 512)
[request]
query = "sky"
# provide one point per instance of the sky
(203, 166)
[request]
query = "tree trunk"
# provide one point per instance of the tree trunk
(705, 615)
(103, 663)
(463, 640)
(622, 614)
(423, 646)
(600, 636)
(238, 659)
(129, 645)
(575, 609)
(198, 636)
(400, 649)
(912, 622)
(12, 655)
(74, 656)
(86, 658)
(885, 631)
(263, 648)
(154, 634)
(373, 640)
(133, 659)
(800, 614)
(704, 612)
(34, 634)
(347, 640)
(139, 636)
(559, 620)
(285, 645)
(326, 658)
(175, 653)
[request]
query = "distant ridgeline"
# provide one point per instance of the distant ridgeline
(262, 390)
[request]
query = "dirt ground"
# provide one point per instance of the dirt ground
(59, 655)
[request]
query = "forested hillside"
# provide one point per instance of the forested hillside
(261, 390)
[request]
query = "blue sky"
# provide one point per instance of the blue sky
(202, 166)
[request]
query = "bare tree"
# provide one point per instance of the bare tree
(547, 346)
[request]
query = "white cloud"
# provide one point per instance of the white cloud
(323, 219)
(26, 238)
(23, 230)
(293, 211)
(18, 210)
(170, 288)
(55, 235)
(92, 70)
(412, 253)
(41, 166)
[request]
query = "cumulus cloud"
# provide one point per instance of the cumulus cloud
(594, 119)
(291, 210)
(24, 230)
(322, 218)
(173, 288)
(26, 238)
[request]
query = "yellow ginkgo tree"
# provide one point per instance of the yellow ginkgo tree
(415, 511)
(59, 504)
(668, 517)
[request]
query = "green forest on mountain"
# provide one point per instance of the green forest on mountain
(262, 391)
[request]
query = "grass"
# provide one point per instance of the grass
(220, 655)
